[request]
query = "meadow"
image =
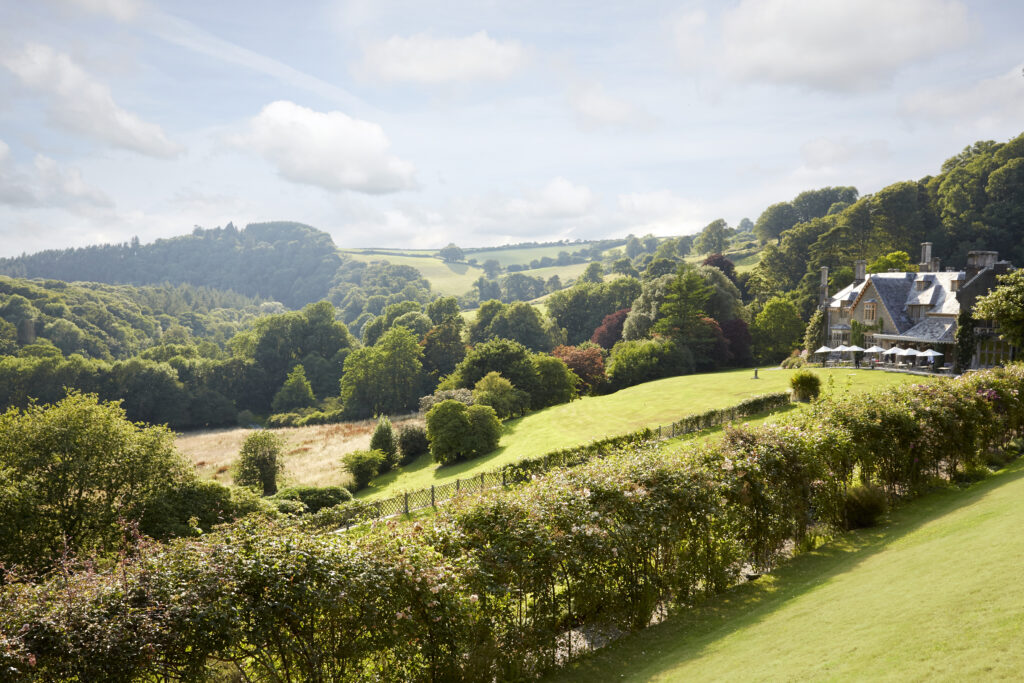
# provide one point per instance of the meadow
(929, 596)
(592, 417)
(449, 279)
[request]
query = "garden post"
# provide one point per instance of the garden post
(433, 504)
(406, 502)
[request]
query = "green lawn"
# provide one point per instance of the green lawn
(933, 595)
(652, 404)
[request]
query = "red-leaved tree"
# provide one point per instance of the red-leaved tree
(587, 363)
(610, 329)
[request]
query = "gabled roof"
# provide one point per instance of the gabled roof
(892, 290)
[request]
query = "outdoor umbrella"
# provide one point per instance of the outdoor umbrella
(894, 351)
(842, 348)
(910, 352)
(824, 349)
(854, 348)
(874, 349)
(930, 353)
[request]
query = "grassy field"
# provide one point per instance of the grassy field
(933, 595)
(312, 454)
(592, 417)
(523, 256)
(450, 279)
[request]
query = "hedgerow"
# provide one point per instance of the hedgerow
(491, 587)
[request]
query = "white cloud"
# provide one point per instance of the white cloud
(834, 44)
(990, 103)
(421, 58)
(122, 10)
(559, 199)
(45, 184)
(328, 149)
(688, 33)
(83, 104)
(594, 108)
(826, 152)
(660, 212)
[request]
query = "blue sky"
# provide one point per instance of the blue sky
(412, 124)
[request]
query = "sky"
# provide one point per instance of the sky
(414, 124)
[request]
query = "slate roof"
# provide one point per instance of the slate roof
(931, 330)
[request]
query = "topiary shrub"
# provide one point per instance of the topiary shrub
(383, 440)
(412, 443)
(806, 385)
(457, 432)
(315, 498)
(364, 466)
(864, 506)
(260, 461)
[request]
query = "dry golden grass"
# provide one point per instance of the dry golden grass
(312, 454)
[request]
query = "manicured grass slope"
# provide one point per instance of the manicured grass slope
(936, 594)
(593, 417)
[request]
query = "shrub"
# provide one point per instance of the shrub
(793, 363)
(864, 506)
(364, 466)
(457, 432)
(806, 385)
(279, 420)
(484, 430)
(383, 440)
(461, 395)
(643, 360)
(196, 506)
(296, 393)
(260, 461)
(315, 498)
(412, 443)
(497, 392)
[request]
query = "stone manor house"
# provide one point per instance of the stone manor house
(917, 310)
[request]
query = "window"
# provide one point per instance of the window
(869, 312)
(922, 285)
(954, 285)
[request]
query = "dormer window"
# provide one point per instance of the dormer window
(954, 285)
(870, 312)
(922, 285)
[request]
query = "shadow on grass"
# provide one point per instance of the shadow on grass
(686, 635)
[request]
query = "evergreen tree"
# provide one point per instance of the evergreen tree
(295, 394)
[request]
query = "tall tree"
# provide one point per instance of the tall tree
(713, 238)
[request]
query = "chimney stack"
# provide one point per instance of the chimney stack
(978, 261)
(823, 288)
(859, 271)
(926, 257)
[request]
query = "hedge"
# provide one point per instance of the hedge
(491, 587)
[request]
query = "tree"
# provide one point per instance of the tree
(894, 260)
(443, 308)
(814, 334)
(610, 329)
(593, 273)
(777, 330)
(519, 322)
(443, 348)
(363, 465)
(775, 220)
(73, 473)
(1005, 305)
(723, 264)
(556, 382)
(509, 358)
(492, 268)
(385, 378)
(297, 393)
(586, 362)
(643, 360)
(416, 322)
(624, 266)
(683, 309)
(451, 253)
(260, 461)
(457, 431)
(713, 238)
(383, 440)
(553, 284)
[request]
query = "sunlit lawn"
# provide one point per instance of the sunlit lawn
(933, 595)
(647, 405)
